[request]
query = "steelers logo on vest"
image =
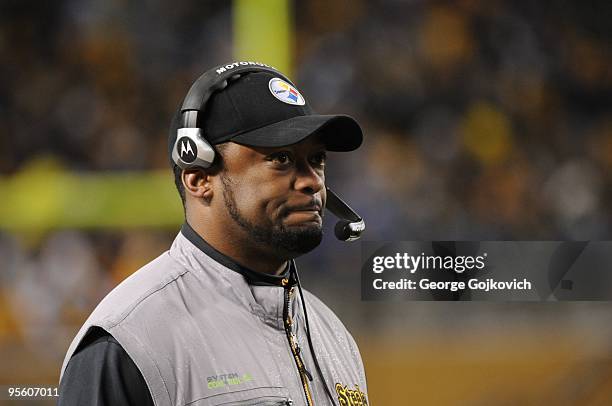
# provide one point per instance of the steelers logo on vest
(284, 92)
(187, 149)
(351, 397)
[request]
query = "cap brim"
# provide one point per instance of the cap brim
(339, 132)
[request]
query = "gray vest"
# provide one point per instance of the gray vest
(201, 335)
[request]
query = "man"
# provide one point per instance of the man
(217, 320)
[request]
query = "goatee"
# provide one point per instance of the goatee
(292, 241)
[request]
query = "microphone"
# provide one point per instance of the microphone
(351, 225)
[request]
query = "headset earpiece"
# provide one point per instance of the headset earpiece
(192, 150)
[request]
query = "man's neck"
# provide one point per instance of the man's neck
(240, 251)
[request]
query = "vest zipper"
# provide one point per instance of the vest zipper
(305, 376)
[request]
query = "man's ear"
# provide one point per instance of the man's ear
(197, 183)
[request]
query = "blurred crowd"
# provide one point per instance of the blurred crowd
(484, 120)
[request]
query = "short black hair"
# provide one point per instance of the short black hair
(178, 182)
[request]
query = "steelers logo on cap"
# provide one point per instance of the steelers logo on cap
(286, 93)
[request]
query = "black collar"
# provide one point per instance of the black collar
(253, 277)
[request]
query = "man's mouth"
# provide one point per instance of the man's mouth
(307, 208)
(304, 214)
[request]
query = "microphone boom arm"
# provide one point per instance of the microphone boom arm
(351, 225)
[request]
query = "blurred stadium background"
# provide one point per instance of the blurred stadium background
(485, 120)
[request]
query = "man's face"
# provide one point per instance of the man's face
(276, 195)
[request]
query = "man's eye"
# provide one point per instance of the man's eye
(281, 158)
(319, 159)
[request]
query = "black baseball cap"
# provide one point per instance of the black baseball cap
(261, 109)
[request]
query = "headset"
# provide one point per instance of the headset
(191, 149)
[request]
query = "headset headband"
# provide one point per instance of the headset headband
(214, 80)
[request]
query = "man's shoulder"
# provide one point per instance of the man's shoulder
(143, 285)
(126, 299)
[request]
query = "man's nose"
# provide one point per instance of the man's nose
(308, 179)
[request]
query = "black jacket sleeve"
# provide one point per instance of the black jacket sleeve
(101, 373)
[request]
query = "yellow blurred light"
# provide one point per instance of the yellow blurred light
(44, 196)
(262, 32)
(487, 133)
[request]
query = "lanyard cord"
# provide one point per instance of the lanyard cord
(314, 356)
